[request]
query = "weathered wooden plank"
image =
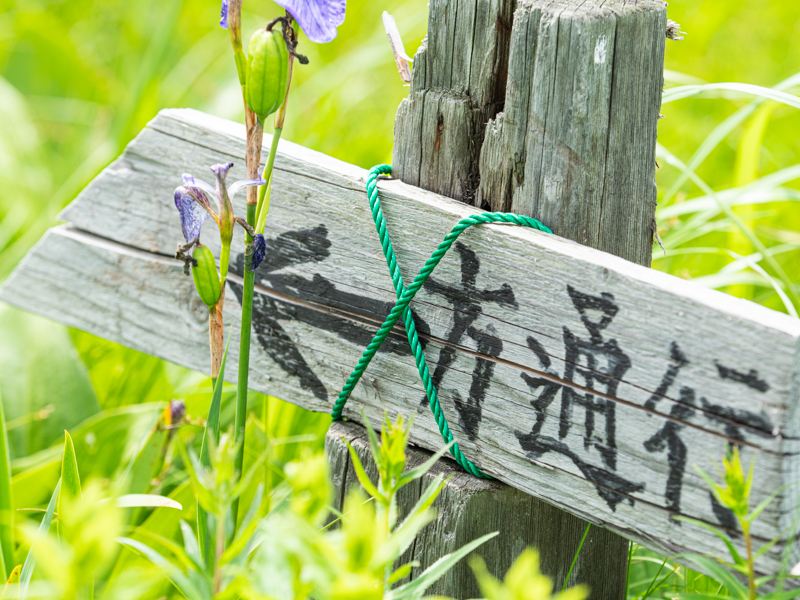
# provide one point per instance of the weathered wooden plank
(533, 396)
(144, 302)
(469, 508)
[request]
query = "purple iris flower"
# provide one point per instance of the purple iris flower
(194, 206)
(317, 18)
(223, 15)
(194, 198)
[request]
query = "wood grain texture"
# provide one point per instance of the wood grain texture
(469, 508)
(575, 142)
(575, 376)
(458, 84)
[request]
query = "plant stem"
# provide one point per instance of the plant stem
(751, 569)
(265, 190)
(256, 217)
(216, 337)
(248, 284)
(244, 352)
(218, 550)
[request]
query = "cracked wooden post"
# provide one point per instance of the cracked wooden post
(548, 110)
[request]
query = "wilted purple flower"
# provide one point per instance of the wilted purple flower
(194, 207)
(318, 18)
(223, 15)
(193, 201)
(259, 251)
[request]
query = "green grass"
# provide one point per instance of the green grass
(79, 78)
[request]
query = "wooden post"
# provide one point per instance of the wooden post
(470, 507)
(571, 93)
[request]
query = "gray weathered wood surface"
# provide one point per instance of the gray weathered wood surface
(457, 85)
(597, 384)
(469, 508)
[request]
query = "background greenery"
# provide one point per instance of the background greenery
(79, 79)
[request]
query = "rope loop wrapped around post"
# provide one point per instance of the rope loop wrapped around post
(405, 294)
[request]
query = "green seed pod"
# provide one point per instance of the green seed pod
(206, 278)
(267, 72)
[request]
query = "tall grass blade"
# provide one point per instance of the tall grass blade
(147, 501)
(212, 423)
(416, 587)
(30, 561)
(210, 432)
(575, 557)
(734, 219)
(6, 502)
(722, 131)
(179, 579)
(730, 90)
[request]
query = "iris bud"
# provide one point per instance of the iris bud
(206, 278)
(267, 72)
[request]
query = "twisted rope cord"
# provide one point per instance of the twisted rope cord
(401, 308)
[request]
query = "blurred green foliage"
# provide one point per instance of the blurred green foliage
(79, 79)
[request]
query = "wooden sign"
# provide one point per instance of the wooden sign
(585, 380)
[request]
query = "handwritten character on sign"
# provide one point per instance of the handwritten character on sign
(594, 366)
(686, 408)
(467, 301)
(668, 437)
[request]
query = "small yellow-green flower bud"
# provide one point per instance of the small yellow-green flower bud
(267, 72)
(206, 278)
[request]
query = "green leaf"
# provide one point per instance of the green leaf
(730, 89)
(43, 383)
(781, 595)
(721, 131)
(423, 468)
(402, 572)
(415, 588)
(718, 572)
(374, 444)
(104, 444)
(190, 544)
(6, 502)
(30, 562)
(182, 583)
(210, 435)
(212, 423)
(163, 522)
(404, 535)
(246, 529)
(756, 512)
(70, 476)
(575, 557)
(429, 496)
(147, 501)
(361, 474)
(158, 542)
(719, 533)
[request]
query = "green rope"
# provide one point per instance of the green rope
(405, 294)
